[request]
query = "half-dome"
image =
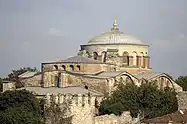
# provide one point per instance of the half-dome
(114, 36)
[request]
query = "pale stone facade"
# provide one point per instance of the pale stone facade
(8, 86)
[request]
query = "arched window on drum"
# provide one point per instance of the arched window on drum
(71, 68)
(134, 54)
(126, 58)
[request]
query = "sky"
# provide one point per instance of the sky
(35, 31)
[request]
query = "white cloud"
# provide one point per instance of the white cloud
(55, 32)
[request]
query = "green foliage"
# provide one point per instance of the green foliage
(19, 107)
(182, 81)
(146, 100)
(13, 76)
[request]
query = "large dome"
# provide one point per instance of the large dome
(114, 36)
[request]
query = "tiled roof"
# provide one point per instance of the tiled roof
(66, 90)
(176, 117)
(110, 74)
(78, 59)
(146, 75)
(27, 74)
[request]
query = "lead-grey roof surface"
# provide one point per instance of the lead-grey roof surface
(78, 59)
(66, 90)
(147, 75)
(110, 74)
(114, 36)
(27, 74)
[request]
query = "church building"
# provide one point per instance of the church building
(107, 59)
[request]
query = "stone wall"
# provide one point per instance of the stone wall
(83, 111)
(82, 108)
(32, 81)
(70, 79)
(99, 84)
(135, 70)
(125, 118)
(8, 86)
(84, 68)
(182, 100)
(137, 54)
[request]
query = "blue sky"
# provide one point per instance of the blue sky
(33, 31)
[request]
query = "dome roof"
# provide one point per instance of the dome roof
(114, 36)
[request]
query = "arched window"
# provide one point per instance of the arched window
(71, 68)
(167, 83)
(142, 59)
(103, 56)
(78, 68)
(57, 81)
(126, 58)
(134, 58)
(121, 79)
(128, 79)
(63, 67)
(162, 83)
(95, 55)
(56, 67)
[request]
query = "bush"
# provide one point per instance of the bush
(19, 107)
(146, 100)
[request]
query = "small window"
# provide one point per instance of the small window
(78, 68)
(56, 67)
(71, 68)
(63, 67)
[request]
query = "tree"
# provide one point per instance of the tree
(182, 81)
(146, 100)
(19, 107)
(13, 76)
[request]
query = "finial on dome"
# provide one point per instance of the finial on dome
(115, 25)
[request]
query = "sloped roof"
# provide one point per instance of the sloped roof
(78, 59)
(27, 74)
(67, 90)
(147, 75)
(110, 74)
(176, 117)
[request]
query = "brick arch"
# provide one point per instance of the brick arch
(170, 80)
(127, 79)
